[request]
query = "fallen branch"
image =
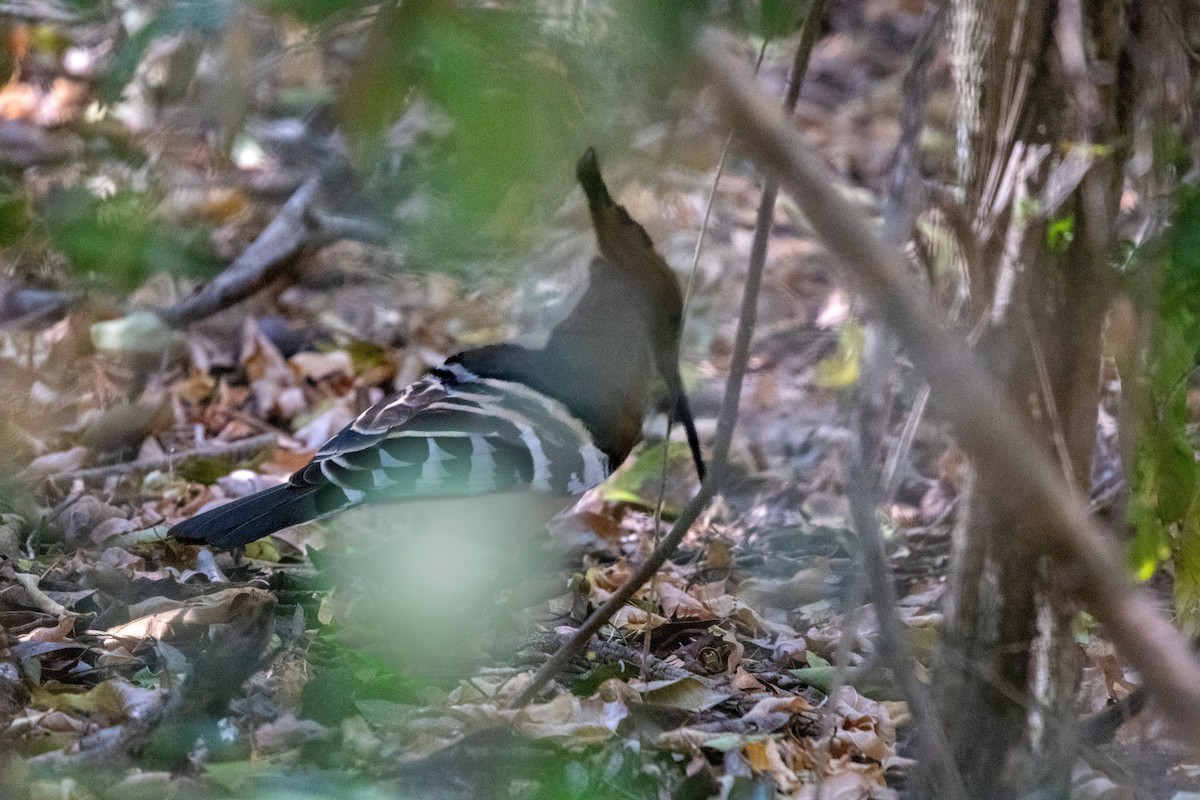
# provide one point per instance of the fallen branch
(270, 256)
(239, 450)
(301, 227)
(985, 421)
(24, 144)
(38, 12)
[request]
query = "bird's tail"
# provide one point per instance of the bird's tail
(242, 521)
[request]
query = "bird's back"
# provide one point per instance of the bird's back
(453, 433)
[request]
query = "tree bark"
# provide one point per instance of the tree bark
(1008, 666)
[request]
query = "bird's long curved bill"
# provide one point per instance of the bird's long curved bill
(683, 415)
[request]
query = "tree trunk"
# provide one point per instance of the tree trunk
(1040, 284)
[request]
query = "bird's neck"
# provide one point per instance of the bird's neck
(597, 363)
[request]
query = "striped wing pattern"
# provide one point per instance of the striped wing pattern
(457, 433)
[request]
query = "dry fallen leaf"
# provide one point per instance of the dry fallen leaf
(687, 693)
(317, 367)
(53, 464)
(572, 721)
(864, 727)
(287, 731)
(164, 618)
(806, 586)
(112, 701)
(745, 682)
(56, 633)
(763, 756)
(848, 781)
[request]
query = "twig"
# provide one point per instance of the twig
(893, 472)
(985, 420)
(611, 652)
(899, 199)
(234, 450)
(899, 203)
(687, 300)
(331, 227)
(600, 616)
(869, 422)
(300, 227)
(29, 582)
(726, 422)
(712, 198)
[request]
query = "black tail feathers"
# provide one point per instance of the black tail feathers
(250, 518)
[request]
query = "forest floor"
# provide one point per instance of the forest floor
(134, 666)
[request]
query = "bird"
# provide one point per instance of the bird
(555, 420)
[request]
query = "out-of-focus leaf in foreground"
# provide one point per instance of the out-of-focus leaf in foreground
(116, 241)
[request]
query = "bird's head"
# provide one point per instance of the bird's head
(628, 259)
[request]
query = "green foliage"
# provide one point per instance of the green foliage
(1164, 506)
(506, 102)
(822, 676)
(14, 216)
(669, 25)
(590, 681)
(117, 242)
(779, 18)
(349, 678)
(500, 100)
(1060, 232)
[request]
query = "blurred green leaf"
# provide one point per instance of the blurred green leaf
(346, 678)
(589, 682)
(493, 105)
(670, 25)
(1060, 233)
(780, 17)
(687, 694)
(878, 685)
(1164, 506)
(117, 241)
(14, 212)
(236, 776)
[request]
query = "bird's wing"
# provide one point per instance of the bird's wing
(457, 433)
